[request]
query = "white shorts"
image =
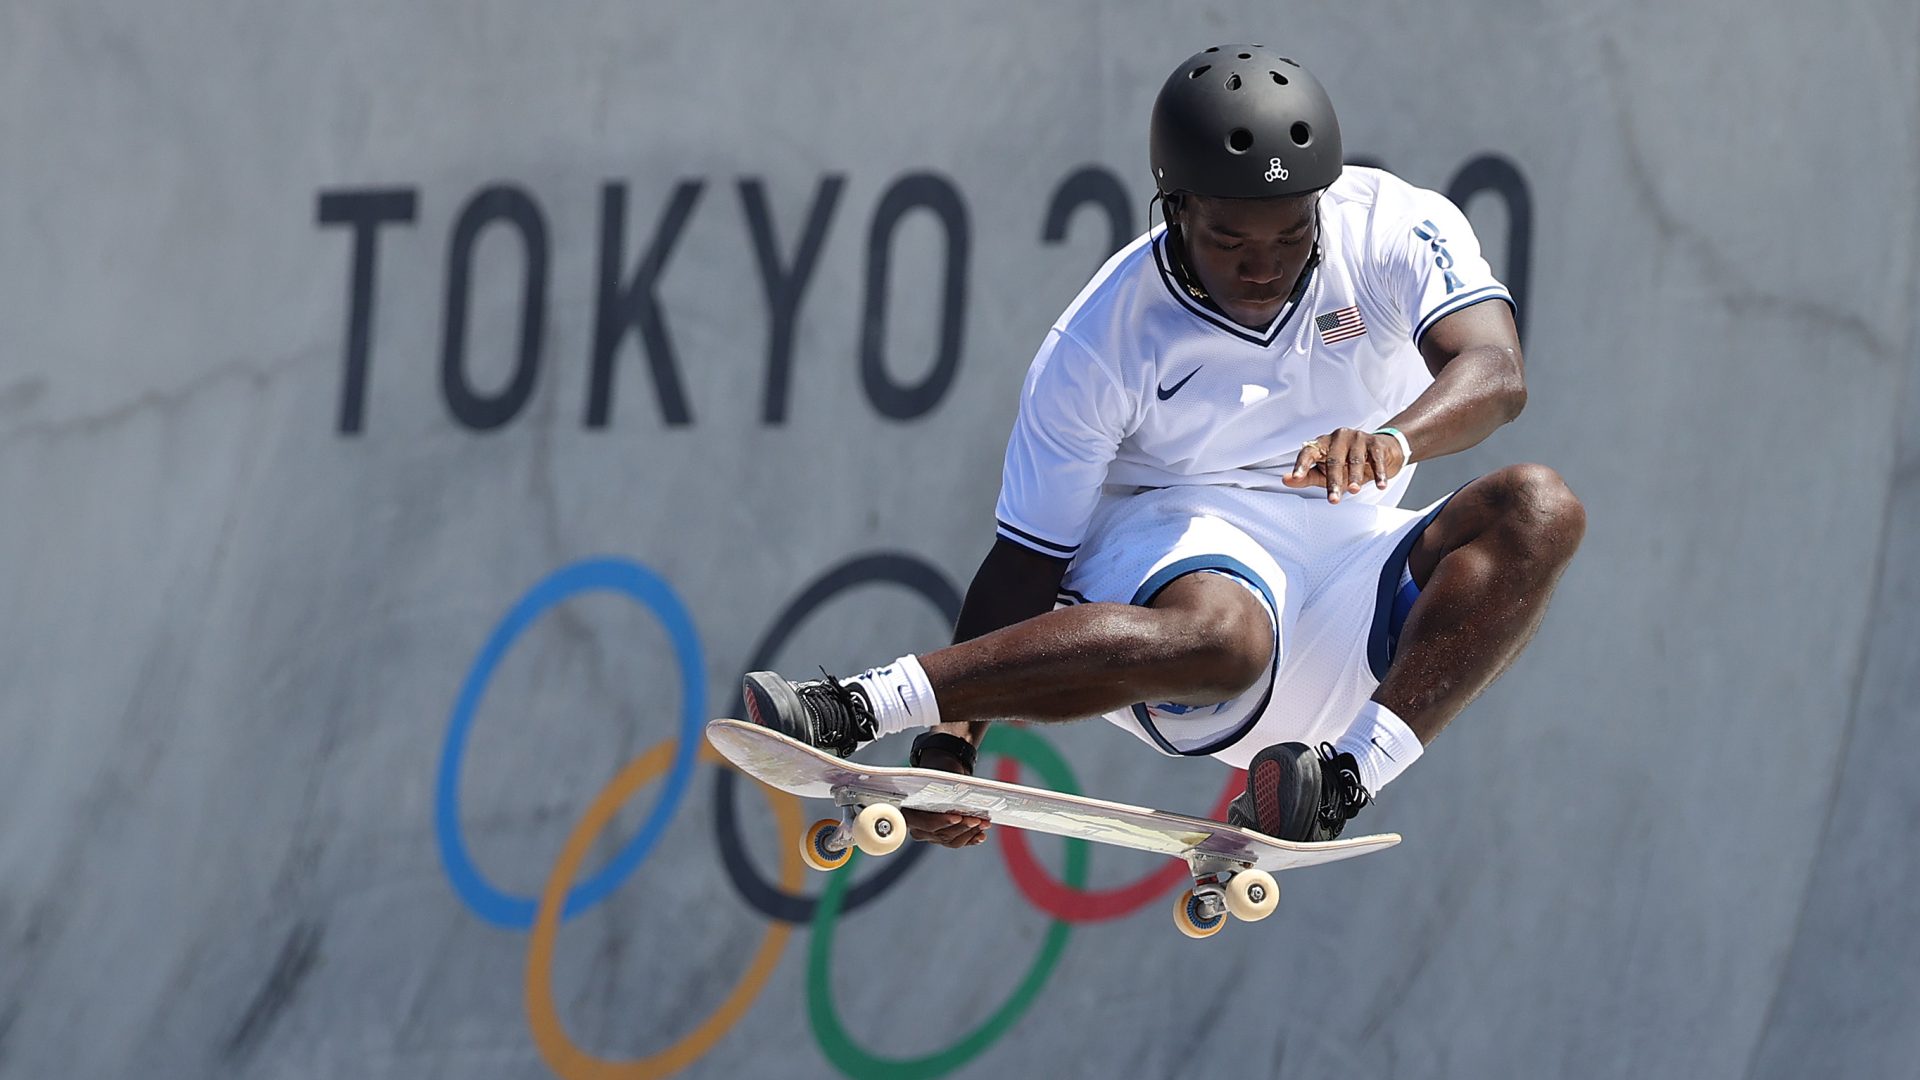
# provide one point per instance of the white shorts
(1332, 577)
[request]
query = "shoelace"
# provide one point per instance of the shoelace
(835, 706)
(1352, 795)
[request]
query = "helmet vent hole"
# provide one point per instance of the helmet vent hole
(1286, 60)
(1240, 140)
(1246, 56)
(1199, 71)
(1302, 134)
(1279, 78)
(1233, 82)
(1214, 48)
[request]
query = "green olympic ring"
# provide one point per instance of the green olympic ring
(1036, 753)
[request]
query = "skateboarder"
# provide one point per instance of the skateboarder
(1199, 534)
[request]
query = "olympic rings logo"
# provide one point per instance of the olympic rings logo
(1066, 900)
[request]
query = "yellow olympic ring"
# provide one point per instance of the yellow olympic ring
(568, 1060)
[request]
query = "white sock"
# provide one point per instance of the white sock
(1381, 743)
(901, 696)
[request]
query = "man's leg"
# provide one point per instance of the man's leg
(1203, 639)
(1485, 567)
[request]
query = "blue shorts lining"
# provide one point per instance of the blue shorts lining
(1395, 599)
(1224, 564)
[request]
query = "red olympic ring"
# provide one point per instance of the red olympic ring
(1070, 904)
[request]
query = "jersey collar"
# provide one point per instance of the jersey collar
(1163, 261)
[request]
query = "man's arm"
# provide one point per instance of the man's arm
(1073, 414)
(1479, 383)
(1013, 583)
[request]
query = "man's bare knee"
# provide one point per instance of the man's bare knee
(1535, 517)
(1224, 635)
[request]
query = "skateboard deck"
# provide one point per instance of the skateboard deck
(1207, 846)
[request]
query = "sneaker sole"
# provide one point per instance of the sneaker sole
(770, 699)
(1297, 767)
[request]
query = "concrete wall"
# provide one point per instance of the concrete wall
(333, 335)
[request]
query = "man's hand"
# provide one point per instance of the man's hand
(953, 830)
(1345, 461)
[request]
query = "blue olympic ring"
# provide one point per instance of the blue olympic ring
(617, 575)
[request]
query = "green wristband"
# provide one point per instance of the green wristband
(1406, 450)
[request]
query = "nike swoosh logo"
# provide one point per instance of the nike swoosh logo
(1166, 392)
(1375, 740)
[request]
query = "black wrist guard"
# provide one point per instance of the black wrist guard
(944, 743)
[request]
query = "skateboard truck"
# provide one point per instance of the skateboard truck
(1222, 886)
(875, 828)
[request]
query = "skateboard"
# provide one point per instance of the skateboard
(1232, 868)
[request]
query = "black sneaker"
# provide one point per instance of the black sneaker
(824, 713)
(1294, 793)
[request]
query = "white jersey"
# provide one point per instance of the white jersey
(1140, 386)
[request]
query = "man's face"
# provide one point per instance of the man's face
(1248, 253)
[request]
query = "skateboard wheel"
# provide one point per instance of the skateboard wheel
(1192, 921)
(879, 829)
(816, 846)
(1252, 895)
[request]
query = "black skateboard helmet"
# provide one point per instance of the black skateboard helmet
(1243, 122)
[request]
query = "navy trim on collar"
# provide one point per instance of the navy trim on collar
(1221, 322)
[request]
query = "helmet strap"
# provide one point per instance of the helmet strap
(1177, 248)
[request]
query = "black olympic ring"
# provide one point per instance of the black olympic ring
(765, 897)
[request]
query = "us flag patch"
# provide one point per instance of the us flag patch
(1340, 325)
